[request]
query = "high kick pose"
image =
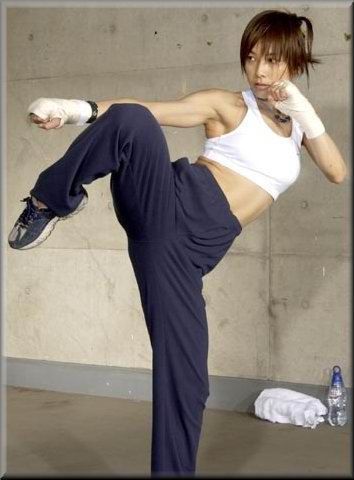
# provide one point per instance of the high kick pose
(180, 217)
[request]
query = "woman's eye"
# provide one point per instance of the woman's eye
(249, 57)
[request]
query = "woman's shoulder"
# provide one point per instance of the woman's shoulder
(230, 103)
(231, 109)
(230, 97)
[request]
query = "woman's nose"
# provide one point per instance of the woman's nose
(261, 68)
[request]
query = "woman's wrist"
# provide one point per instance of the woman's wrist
(80, 112)
(94, 111)
(312, 125)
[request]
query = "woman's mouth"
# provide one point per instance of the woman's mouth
(261, 86)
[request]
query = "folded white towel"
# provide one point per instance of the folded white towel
(286, 406)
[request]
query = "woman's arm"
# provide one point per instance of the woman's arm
(189, 111)
(324, 152)
(286, 97)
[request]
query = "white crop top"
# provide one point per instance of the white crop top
(256, 152)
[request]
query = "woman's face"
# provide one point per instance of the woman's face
(262, 71)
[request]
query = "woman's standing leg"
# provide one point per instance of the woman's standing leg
(174, 309)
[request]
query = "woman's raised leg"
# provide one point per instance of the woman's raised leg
(127, 142)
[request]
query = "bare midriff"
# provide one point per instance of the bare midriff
(246, 199)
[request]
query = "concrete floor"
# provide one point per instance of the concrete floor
(51, 433)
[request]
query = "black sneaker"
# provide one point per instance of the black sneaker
(34, 225)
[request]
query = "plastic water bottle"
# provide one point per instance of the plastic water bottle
(337, 399)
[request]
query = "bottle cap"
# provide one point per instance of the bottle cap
(337, 376)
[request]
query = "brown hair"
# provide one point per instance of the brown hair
(282, 31)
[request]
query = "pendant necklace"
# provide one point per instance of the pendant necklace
(278, 115)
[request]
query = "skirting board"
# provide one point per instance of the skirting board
(226, 393)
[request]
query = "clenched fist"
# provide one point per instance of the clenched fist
(50, 113)
(286, 97)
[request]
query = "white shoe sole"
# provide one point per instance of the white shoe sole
(50, 226)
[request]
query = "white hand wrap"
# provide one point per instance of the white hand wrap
(75, 112)
(299, 108)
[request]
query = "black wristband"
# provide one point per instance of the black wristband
(94, 108)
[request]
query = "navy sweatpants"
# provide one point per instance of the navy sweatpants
(179, 226)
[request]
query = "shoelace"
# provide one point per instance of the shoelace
(29, 214)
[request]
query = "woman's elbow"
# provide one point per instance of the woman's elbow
(339, 177)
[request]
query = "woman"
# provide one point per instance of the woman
(182, 218)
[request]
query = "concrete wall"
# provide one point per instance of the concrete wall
(278, 304)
